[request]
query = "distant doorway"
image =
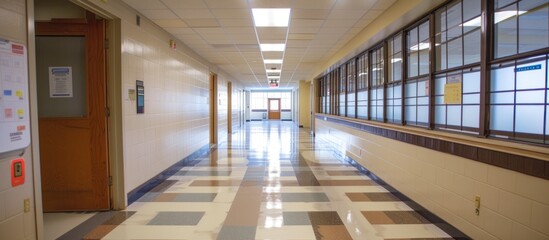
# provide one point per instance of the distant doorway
(274, 109)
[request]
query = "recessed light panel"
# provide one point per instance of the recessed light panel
(278, 47)
(271, 17)
(272, 61)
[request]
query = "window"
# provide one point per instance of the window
(377, 81)
(519, 100)
(351, 86)
(362, 88)
(394, 87)
(458, 109)
(416, 91)
(258, 101)
(520, 26)
(457, 25)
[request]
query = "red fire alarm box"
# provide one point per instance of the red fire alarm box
(17, 172)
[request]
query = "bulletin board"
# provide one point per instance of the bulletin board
(14, 97)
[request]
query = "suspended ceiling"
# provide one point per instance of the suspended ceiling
(223, 32)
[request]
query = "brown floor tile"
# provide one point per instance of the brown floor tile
(338, 232)
(325, 218)
(99, 232)
(119, 218)
(377, 217)
(166, 197)
(346, 183)
(215, 183)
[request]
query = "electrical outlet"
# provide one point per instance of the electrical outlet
(27, 205)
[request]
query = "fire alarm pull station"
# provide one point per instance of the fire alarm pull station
(140, 96)
(17, 172)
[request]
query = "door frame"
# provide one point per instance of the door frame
(213, 110)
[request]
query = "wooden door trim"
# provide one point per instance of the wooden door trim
(279, 111)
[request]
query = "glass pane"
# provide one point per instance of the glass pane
(503, 79)
(501, 118)
(424, 60)
(531, 75)
(424, 32)
(471, 8)
(397, 44)
(506, 31)
(411, 90)
(454, 115)
(531, 97)
(453, 14)
(413, 64)
(471, 116)
(423, 114)
(439, 100)
(440, 115)
(441, 57)
(411, 114)
(472, 49)
(61, 51)
(529, 119)
(422, 88)
(397, 112)
(423, 101)
(503, 3)
(504, 97)
(471, 82)
(471, 99)
(440, 20)
(273, 105)
(455, 53)
(398, 91)
(533, 25)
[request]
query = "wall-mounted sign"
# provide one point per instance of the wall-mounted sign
(14, 101)
(140, 96)
(452, 93)
(528, 68)
(60, 82)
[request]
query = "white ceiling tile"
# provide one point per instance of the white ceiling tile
(202, 22)
(179, 30)
(373, 14)
(273, 55)
(346, 14)
(186, 4)
(306, 23)
(227, 3)
(211, 30)
(239, 13)
(314, 4)
(272, 34)
(226, 22)
(170, 23)
(339, 23)
(193, 13)
(383, 4)
(271, 4)
(299, 36)
(354, 4)
(318, 14)
(145, 4)
(304, 30)
(159, 14)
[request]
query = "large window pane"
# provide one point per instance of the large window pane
(529, 119)
(506, 31)
(501, 118)
(533, 25)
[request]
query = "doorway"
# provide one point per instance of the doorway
(274, 108)
(72, 111)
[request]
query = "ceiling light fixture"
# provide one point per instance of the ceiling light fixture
(272, 47)
(273, 70)
(272, 61)
(271, 17)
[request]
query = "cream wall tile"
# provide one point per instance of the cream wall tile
(5, 175)
(464, 186)
(2, 206)
(540, 218)
(13, 228)
(495, 223)
(502, 178)
(515, 207)
(520, 231)
(14, 203)
(534, 188)
(489, 196)
(476, 170)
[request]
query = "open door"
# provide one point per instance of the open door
(274, 108)
(70, 56)
(213, 109)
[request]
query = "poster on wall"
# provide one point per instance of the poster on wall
(14, 97)
(60, 82)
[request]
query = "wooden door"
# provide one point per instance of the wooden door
(72, 115)
(274, 108)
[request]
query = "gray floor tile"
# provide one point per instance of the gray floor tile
(177, 218)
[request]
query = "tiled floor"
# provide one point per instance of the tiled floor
(270, 181)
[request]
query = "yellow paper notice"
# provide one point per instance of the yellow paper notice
(452, 93)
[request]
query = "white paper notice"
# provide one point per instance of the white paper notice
(14, 100)
(60, 82)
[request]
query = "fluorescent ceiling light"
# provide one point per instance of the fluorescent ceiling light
(395, 60)
(420, 46)
(272, 61)
(376, 69)
(278, 47)
(275, 77)
(498, 17)
(362, 74)
(273, 70)
(271, 17)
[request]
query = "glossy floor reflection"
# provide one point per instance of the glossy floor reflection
(270, 181)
